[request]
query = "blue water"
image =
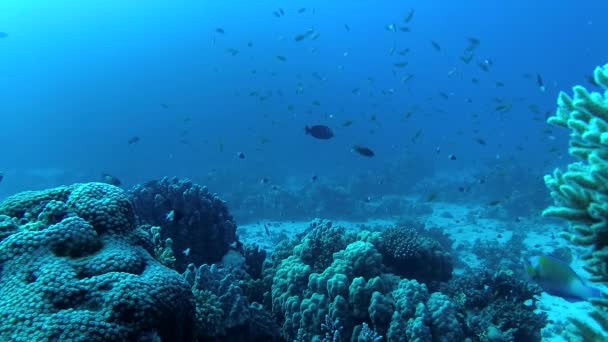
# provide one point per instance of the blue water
(80, 78)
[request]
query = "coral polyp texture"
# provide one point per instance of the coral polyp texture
(198, 222)
(76, 267)
(581, 192)
(353, 294)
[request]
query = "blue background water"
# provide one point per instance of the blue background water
(79, 78)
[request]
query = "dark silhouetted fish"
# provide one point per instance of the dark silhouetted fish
(133, 140)
(319, 131)
(409, 16)
(109, 179)
(364, 151)
(436, 45)
(541, 84)
(266, 229)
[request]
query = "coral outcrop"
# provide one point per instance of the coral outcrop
(76, 267)
(198, 223)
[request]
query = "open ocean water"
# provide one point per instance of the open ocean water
(290, 171)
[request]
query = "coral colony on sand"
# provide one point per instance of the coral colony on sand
(163, 262)
(78, 264)
(581, 192)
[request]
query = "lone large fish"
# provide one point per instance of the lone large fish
(557, 278)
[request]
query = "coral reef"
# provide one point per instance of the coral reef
(412, 255)
(75, 267)
(197, 222)
(223, 312)
(496, 304)
(581, 193)
(354, 289)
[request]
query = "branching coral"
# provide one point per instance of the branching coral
(580, 194)
(198, 222)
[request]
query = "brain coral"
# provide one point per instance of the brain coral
(75, 267)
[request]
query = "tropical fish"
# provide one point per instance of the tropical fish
(133, 140)
(409, 16)
(300, 37)
(170, 216)
(390, 27)
(364, 151)
(539, 81)
(109, 179)
(436, 45)
(319, 131)
(557, 278)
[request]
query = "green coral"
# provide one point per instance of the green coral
(163, 249)
(581, 193)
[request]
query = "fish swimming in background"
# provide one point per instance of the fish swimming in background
(541, 84)
(436, 45)
(3, 35)
(409, 16)
(133, 140)
(319, 131)
(1, 176)
(364, 151)
(109, 179)
(557, 278)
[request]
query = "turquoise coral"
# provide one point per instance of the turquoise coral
(354, 289)
(581, 193)
(84, 273)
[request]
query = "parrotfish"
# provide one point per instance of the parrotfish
(557, 278)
